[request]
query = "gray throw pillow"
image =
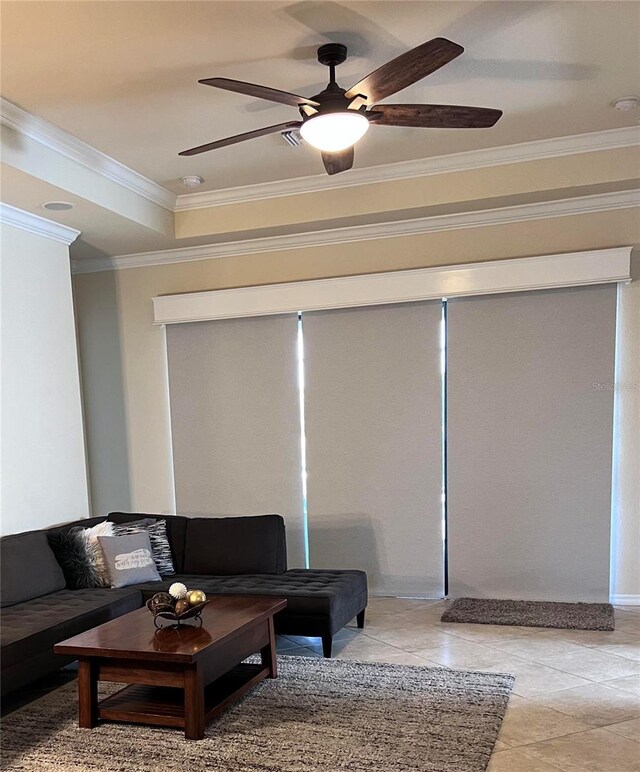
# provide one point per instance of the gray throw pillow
(129, 559)
(160, 547)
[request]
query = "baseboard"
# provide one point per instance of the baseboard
(625, 600)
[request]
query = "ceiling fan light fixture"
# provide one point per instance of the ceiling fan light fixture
(332, 132)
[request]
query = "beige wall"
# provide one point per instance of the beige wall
(123, 354)
(44, 478)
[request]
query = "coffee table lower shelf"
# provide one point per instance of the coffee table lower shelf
(164, 705)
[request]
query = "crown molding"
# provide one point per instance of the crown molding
(463, 220)
(455, 162)
(33, 223)
(71, 147)
(61, 141)
(483, 278)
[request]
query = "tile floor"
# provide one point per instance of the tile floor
(576, 700)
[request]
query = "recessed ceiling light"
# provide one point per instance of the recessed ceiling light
(57, 206)
(625, 104)
(192, 180)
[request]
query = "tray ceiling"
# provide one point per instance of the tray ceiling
(122, 76)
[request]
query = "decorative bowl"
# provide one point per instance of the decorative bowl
(167, 612)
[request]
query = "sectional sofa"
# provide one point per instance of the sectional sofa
(234, 555)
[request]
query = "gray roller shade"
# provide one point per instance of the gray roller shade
(373, 427)
(530, 407)
(235, 420)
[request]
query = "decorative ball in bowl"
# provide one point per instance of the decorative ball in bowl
(178, 605)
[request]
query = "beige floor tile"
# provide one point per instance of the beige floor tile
(526, 722)
(630, 623)
(375, 621)
(594, 664)
(500, 746)
(532, 679)
(595, 704)
(517, 761)
(594, 751)
(411, 638)
(537, 648)
(588, 638)
(488, 633)
(395, 605)
(628, 729)
(365, 649)
(430, 614)
(285, 644)
(462, 654)
(629, 649)
(629, 684)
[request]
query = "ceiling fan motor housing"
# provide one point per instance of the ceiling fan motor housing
(332, 99)
(332, 54)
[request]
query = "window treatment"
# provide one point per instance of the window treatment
(529, 439)
(373, 405)
(235, 420)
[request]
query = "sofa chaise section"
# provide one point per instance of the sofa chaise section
(319, 602)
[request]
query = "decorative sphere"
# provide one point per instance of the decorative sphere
(195, 597)
(182, 606)
(161, 601)
(178, 591)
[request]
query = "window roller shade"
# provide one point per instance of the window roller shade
(373, 406)
(235, 422)
(530, 411)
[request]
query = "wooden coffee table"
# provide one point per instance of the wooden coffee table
(178, 678)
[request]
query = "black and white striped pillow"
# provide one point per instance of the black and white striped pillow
(157, 530)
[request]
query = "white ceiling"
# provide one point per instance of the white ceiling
(123, 75)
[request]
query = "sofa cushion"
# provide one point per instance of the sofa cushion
(234, 545)
(176, 529)
(36, 625)
(29, 568)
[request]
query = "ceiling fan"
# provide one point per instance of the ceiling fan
(335, 119)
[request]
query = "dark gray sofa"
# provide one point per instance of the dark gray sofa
(239, 555)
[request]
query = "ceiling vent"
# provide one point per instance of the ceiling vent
(292, 138)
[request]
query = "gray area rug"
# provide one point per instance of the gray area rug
(318, 715)
(530, 613)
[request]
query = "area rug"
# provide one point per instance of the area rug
(317, 716)
(530, 613)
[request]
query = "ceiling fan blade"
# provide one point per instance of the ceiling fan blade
(435, 116)
(242, 137)
(338, 162)
(260, 92)
(405, 70)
